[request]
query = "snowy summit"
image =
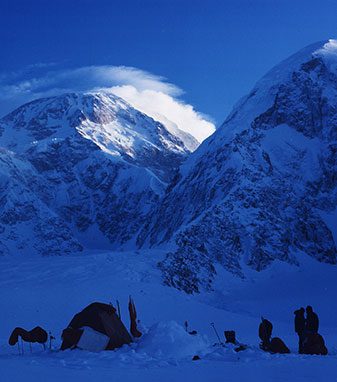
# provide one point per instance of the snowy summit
(263, 186)
(203, 237)
(81, 170)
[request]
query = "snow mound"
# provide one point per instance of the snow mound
(169, 339)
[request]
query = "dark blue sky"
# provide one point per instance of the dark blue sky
(214, 50)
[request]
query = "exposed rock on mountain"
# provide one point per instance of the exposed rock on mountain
(263, 187)
(88, 170)
(81, 170)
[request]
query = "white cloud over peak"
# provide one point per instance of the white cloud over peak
(165, 108)
(146, 92)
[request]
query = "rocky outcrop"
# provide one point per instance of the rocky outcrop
(81, 171)
(259, 188)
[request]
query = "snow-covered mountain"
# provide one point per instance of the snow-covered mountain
(263, 187)
(89, 170)
(79, 170)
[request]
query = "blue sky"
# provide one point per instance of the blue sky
(214, 51)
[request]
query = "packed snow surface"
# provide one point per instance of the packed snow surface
(49, 291)
(260, 194)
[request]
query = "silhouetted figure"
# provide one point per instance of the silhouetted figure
(272, 345)
(300, 328)
(312, 322)
(314, 344)
(265, 332)
(278, 346)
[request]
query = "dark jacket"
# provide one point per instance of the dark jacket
(312, 323)
(299, 321)
(265, 330)
(315, 345)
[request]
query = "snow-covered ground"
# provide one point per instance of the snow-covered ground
(49, 291)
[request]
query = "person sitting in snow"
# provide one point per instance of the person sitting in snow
(272, 345)
(300, 325)
(314, 344)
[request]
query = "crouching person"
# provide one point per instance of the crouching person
(314, 344)
(272, 345)
(277, 346)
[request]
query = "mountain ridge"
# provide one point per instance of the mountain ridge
(96, 165)
(262, 188)
(258, 189)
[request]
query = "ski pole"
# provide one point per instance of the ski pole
(216, 333)
(22, 351)
(51, 338)
(119, 310)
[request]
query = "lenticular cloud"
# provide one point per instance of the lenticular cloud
(147, 92)
(167, 109)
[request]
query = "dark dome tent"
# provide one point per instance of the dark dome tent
(97, 327)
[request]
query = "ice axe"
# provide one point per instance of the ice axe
(216, 333)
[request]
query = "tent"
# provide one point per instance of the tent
(97, 327)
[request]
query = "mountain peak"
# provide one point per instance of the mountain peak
(329, 48)
(263, 187)
(102, 118)
(325, 50)
(80, 170)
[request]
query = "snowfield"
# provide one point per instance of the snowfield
(49, 291)
(87, 171)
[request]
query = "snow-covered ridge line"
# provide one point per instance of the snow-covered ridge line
(89, 168)
(260, 187)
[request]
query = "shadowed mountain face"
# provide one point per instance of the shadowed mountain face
(263, 187)
(89, 171)
(81, 170)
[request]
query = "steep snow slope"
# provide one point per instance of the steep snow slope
(27, 224)
(84, 171)
(264, 185)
